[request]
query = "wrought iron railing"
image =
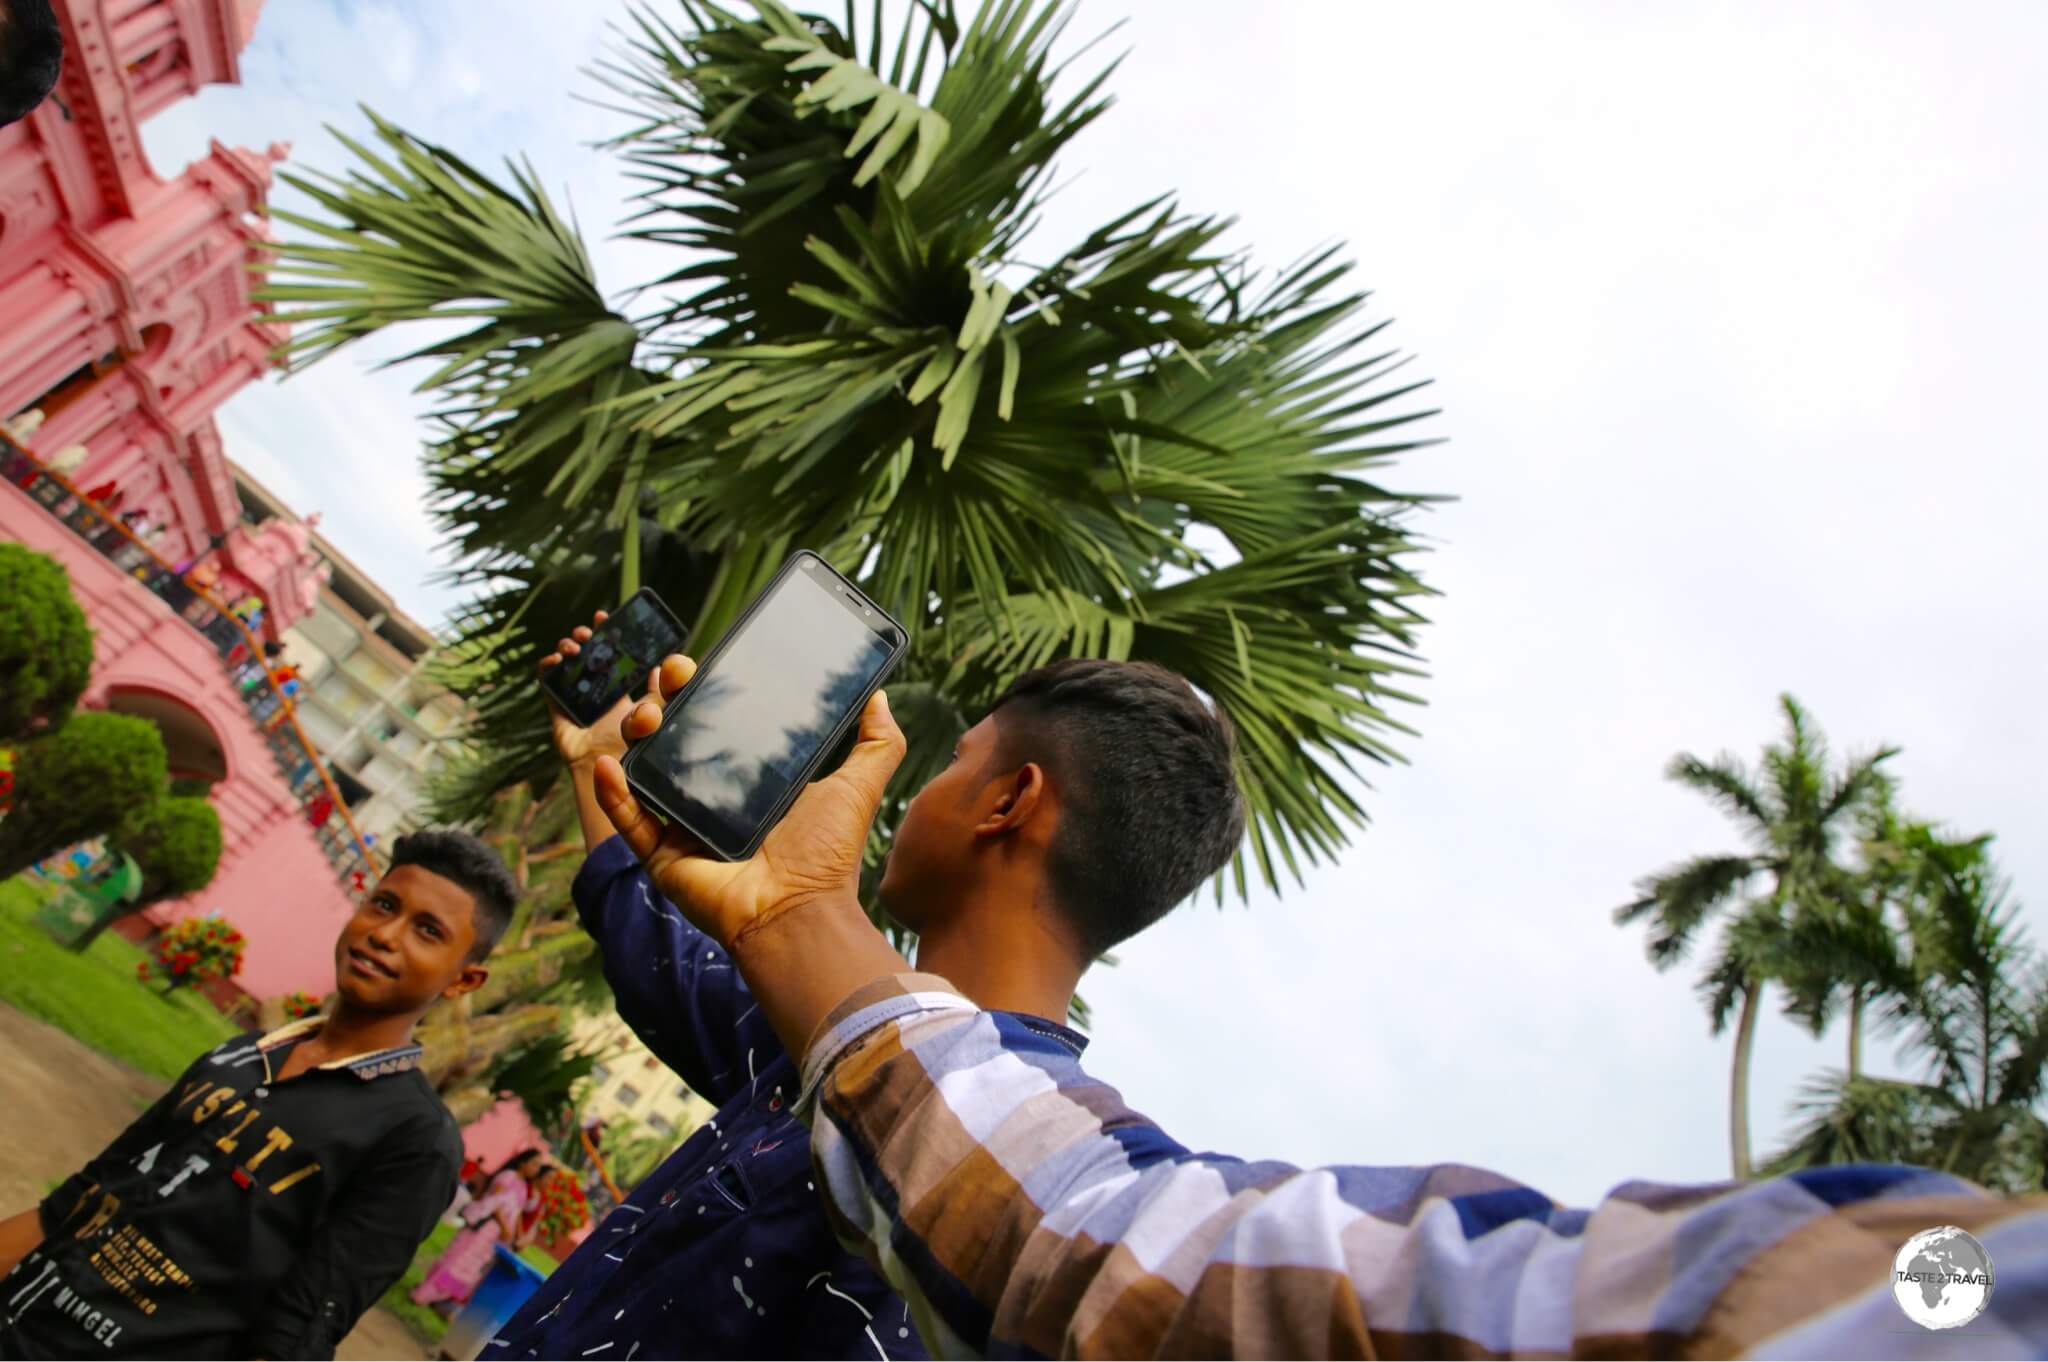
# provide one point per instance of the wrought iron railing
(240, 651)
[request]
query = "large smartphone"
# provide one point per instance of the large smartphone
(618, 657)
(738, 744)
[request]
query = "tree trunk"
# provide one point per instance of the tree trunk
(1855, 1032)
(597, 1158)
(1738, 1085)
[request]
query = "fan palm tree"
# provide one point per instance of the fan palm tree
(1974, 1007)
(1133, 445)
(1793, 812)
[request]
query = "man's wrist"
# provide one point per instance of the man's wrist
(792, 914)
(803, 959)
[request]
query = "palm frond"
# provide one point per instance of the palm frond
(1861, 781)
(1826, 954)
(1725, 781)
(1681, 900)
(1861, 1120)
(896, 123)
(1022, 459)
(2023, 1076)
(1725, 982)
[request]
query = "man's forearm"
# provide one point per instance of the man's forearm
(589, 813)
(19, 1236)
(806, 960)
(1022, 1209)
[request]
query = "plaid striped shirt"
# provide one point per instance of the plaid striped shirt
(1023, 1209)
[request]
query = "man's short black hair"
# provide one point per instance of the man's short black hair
(31, 55)
(467, 861)
(1149, 803)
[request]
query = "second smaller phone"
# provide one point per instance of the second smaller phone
(619, 655)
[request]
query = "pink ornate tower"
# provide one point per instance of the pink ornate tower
(126, 296)
(125, 322)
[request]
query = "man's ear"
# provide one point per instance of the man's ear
(469, 981)
(1023, 797)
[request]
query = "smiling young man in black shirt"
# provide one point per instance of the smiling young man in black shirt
(284, 1181)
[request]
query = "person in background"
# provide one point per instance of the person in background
(285, 1180)
(31, 58)
(494, 1218)
(469, 1185)
(1025, 1210)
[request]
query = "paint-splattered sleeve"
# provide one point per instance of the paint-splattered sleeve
(1022, 1208)
(673, 985)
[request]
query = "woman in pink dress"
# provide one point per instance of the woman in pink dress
(493, 1218)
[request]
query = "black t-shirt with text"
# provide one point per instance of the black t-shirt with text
(240, 1216)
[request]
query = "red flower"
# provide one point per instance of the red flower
(142, 969)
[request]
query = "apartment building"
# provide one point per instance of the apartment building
(630, 1083)
(364, 699)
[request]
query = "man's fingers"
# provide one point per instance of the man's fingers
(551, 660)
(567, 647)
(599, 617)
(876, 755)
(581, 633)
(674, 673)
(634, 824)
(642, 721)
(657, 846)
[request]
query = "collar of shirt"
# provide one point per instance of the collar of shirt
(396, 1059)
(885, 1000)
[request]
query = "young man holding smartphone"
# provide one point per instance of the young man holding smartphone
(1104, 797)
(1027, 1212)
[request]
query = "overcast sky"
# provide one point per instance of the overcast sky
(1735, 319)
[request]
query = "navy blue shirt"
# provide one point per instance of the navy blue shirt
(724, 1250)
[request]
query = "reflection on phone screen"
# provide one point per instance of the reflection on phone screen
(618, 656)
(763, 709)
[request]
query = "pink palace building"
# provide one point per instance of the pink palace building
(125, 322)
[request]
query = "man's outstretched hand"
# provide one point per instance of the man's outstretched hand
(812, 857)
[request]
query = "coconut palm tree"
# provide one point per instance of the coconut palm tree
(1132, 445)
(1793, 811)
(1846, 953)
(1973, 1006)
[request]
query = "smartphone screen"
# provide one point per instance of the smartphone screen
(617, 658)
(750, 730)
